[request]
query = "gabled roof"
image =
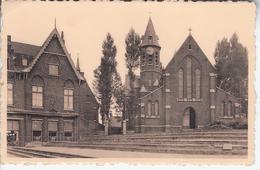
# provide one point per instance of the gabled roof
(45, 44)
(184, 50)
(150, 32)
(26, 49)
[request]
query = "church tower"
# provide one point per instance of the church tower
(150, 65)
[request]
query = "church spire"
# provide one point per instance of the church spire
(150, 37)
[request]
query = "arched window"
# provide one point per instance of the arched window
(68, 95)
(197, 83)
(189, 77)
(53, 66)
(149, 108)
(180, 82)
(222, 109)
(37, 91)
(229, 108)
(156, 108)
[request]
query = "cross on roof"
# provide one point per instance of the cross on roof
(190, 30)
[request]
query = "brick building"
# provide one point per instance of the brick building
(181, 95)
(48, 97)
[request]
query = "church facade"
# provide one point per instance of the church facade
(48, 97)
(181, 95)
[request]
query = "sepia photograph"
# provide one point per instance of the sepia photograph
(127, 80)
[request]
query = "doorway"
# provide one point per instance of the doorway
(189, 118)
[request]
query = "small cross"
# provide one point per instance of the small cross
(190, 30)
(150, 13)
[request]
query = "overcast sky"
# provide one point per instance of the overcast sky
(85, 25)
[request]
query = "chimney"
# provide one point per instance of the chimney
(9, 38)
(9, 45)
(62, 36)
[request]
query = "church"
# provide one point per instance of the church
(182, 95)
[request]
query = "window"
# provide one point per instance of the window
(156, 60)
(53, 70)
(229, 108)
(189, 78)
(68, 99)
(189, 46)
(156, 108)
(54, 65)
(24, 61)
(149, 108)
(68, 130)
(222, 109)
(150, 37)
(180, 77)
(37, 96)
(150, 59)
(10, 94)
(197, 83)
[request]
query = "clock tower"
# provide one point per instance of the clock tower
(150, 65)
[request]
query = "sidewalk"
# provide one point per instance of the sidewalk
(98, 153)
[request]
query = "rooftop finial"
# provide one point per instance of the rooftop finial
(190, 31)
(77, 66)
(55, 22)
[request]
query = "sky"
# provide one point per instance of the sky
(85, 25)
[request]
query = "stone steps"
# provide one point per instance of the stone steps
(188, 142)
(157, 145)
(174, 150)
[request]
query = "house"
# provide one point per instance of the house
(48, 97)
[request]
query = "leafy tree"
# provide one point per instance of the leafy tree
(103, 75)
(232, 66)
(118, 92)
(132, 43)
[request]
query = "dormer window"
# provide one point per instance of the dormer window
(53, 66)
(24, 61)
(53, 70)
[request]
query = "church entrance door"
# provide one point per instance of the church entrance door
(189, 118)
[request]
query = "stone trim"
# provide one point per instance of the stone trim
(159, 126)
(167, 74)
(212, 74)
(152, 117)
(173, 126)
(212, 90)
(14, 118)
(167, 106)
(212, 107)
(142, 104)
(189, 100)
(167, 90)
(142, 115)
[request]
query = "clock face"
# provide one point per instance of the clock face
(149, 50)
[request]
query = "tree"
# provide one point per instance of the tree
(232, 66)
(118, 92)
(132, 53)
(103, 76)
